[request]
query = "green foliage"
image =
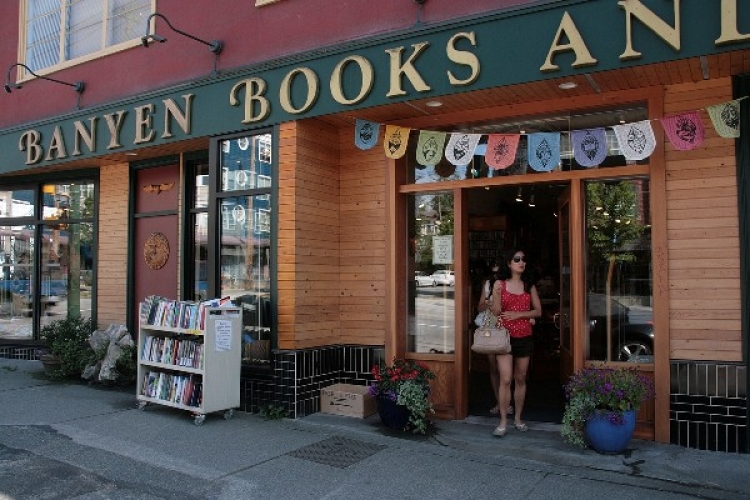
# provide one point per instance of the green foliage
(612, 219)
(434, 215)
(607, 391)
(68, 339)
(413, 395)
(273, 412)
(407, 383)
(126, 365)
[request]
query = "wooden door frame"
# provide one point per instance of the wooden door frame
(655, 170)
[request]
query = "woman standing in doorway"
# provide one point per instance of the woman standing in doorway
(519, 303)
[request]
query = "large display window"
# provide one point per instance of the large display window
(231, 216)
(618, 271)
(431, 296)
(47, 265)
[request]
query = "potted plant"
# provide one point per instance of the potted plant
(66, 341)
(601, 407)
(402, 390)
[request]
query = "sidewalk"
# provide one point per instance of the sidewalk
(75, 441)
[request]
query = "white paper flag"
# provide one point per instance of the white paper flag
(636, 140)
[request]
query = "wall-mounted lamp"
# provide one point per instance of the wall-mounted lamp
(519, 195)
(10, 86)
(214, 46)
(420, 3)
(532, 204)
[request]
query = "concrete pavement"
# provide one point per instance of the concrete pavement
(72, 441)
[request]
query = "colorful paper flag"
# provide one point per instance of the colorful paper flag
(501, 150)
(544, 151)
(366, 133)
(395, 141)
(430, 147)
(636, 140)
(460, 148)
(685, 131)
(726, 118)
(589, 146)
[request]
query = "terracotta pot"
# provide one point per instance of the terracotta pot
(51, 362)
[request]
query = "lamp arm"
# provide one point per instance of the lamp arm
(215, 45)
(78, 86)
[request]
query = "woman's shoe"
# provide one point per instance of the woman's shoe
(510, 410)
(499, 431)
(521, 427)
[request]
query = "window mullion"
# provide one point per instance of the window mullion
(65, 8)
(106, 17)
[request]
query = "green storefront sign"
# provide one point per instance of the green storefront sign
(557, 39)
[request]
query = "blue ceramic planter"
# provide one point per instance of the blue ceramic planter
(608, 438)
(392, 415)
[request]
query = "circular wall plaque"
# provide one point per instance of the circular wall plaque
(156, 251)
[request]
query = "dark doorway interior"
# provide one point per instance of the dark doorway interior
(499, 222)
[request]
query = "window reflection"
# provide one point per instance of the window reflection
(246, 163)
(245, 270)
(431, 298)
(244, 208)
(51, 277)
(619, 282)
(16, 298)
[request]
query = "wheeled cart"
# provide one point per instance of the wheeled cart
(197, 370)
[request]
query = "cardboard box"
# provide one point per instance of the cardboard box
(348, 400)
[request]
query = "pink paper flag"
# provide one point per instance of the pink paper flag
(685, 131)
(501, 150)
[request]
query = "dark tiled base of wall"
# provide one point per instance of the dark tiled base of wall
(15, 352)
(708, 406)
(295, 378)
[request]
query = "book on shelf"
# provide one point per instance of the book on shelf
(178, 351)
(187, 315)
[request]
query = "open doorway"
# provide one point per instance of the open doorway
(525, 217)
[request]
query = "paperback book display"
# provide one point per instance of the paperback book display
(179, 389)
(178, 350)
(189, 355)
(188, 315)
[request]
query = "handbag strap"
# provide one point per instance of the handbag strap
(500, 302)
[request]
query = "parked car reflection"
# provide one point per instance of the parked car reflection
(444, 277)
(630, 341)
(423, 280)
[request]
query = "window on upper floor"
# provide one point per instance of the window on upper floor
(58, 31)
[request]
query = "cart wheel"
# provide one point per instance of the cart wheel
(228, 414)
(142, 405)
(199, 419)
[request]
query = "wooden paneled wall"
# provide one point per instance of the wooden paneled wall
(332, 221)
(703, 227)
(308, 235)
(113, 244)
(363, 242)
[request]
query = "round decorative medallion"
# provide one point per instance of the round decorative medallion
(156, 251)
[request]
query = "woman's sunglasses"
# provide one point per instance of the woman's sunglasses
(518, 259)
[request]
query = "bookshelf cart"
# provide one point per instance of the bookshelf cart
(195, 369)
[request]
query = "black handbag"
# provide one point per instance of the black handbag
(491, 338)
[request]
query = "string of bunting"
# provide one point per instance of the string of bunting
(636, 140)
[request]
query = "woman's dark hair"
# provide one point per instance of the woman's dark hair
(527, 277)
